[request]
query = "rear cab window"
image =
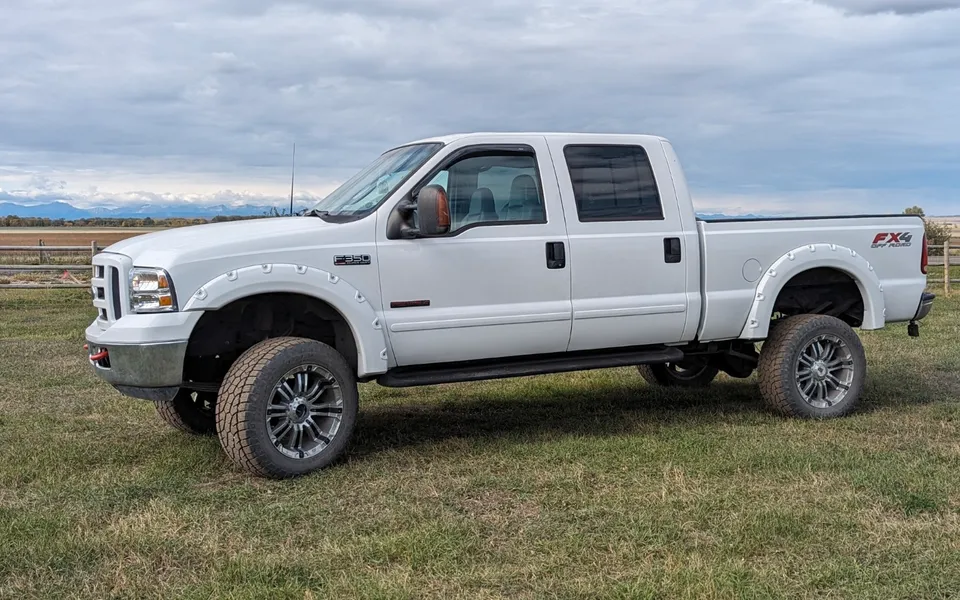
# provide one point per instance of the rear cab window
(613, 183)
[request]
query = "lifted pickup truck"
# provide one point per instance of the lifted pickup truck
(484, 256)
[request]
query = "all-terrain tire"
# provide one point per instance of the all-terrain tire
(780, 385)
(669, 375)
(192, 412)
(247, 391)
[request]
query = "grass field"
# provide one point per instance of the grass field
(571, 486)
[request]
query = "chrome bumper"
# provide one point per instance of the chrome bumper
(926, 304)
(136, 366)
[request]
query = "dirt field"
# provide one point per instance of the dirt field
(586, 485)
(56, 236)
(68, 236)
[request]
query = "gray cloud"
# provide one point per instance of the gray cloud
(901, 7)
(188, 97)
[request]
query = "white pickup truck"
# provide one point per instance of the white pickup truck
(484, 256)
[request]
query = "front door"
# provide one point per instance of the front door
(484, 290)
(629, 254)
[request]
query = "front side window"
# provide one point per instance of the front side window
(613, 183)
(492, 187)
(364, 192)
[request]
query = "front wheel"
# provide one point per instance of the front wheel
(287, 407)
(688, 373)
(812, 366)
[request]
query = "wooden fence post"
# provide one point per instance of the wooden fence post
(93, 250)
(946, 267)
(40, 256)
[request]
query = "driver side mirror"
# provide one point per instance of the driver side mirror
(433, 212)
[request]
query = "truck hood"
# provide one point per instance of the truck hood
(234, 237)
(195, 255)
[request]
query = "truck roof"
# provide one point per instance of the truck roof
(613, 137)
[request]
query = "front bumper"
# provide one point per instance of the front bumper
(145, 353)
(142, 365)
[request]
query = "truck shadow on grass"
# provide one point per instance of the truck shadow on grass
(549, 409)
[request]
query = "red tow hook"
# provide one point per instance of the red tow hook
(98, 356)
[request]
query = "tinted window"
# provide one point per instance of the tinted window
(492, 187)
(613, 183)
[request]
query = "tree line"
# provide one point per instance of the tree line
(937, 233)
(15, 221)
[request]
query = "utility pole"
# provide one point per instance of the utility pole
(293, 170)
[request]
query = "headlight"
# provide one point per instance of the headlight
(151, 291)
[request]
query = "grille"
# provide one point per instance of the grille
(115, 291)
(108, 296)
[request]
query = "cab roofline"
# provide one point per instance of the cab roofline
(448, 139)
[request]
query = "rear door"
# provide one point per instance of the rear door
(627, 248)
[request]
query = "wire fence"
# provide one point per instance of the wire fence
(70, 266)
(947, 261)
(55, 267)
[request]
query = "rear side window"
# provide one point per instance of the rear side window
(613, 183)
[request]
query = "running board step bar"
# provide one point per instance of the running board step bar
(526, 366)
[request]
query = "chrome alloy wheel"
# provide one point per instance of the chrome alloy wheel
(825, 371)
(305, 411)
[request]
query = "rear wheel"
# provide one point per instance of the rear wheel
(812, 366)
(189, 411)
(287, 407)
(687, 373)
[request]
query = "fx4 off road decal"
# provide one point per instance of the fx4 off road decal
(893, 240)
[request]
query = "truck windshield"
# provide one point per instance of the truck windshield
(362, 193)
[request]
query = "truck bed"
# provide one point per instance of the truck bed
(736, 254)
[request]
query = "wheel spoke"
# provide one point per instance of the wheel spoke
(276, 410)
(325, 411)
(836, 382)
(298, 437)
(285, 391)
(281, 429)
(804, 374)
(315, 431)
(301, 383)
(805, 359)
(830, 352)
(315, 391)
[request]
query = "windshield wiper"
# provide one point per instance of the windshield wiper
(317, 213)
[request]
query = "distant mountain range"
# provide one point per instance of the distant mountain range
(67, 211)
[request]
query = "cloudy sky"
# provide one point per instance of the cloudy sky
(775, 106)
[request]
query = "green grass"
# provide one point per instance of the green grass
(574, 486)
